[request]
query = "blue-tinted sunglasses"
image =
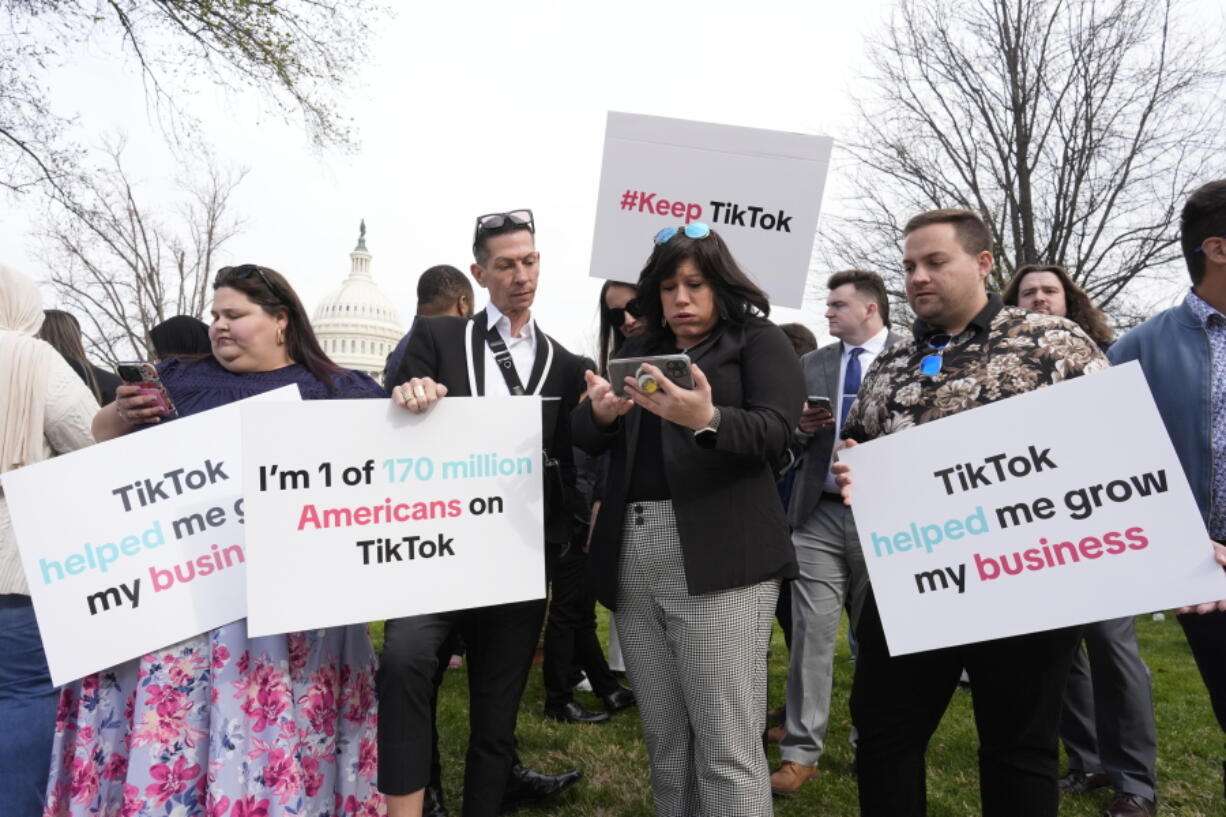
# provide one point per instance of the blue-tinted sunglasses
(695, 229)
(931, 364)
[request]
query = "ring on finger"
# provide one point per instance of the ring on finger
(419, 392)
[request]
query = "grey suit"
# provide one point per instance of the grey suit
(831, 570)
(1108, 720)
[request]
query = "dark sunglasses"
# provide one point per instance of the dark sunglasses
(931, 364)
(617, 314)
(695, 229)
(496, 221)
(244, 271)
(1201, 248)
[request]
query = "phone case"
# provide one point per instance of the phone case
(675, 367)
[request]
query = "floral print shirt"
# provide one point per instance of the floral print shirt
(1005, 351)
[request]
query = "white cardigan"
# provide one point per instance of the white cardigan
(70, 411)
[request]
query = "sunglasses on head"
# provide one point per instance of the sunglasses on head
(695, 229)
(496, 221)
(617, 314)
(244, 271)
(931, 364)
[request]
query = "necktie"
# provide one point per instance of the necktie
(851, 382)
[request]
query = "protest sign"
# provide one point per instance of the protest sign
(388, 513)
(137, 543)
(761, 190)
(1058, 507)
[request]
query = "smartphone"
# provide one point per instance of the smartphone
(144, 374)
(675, 367)
(819, 402)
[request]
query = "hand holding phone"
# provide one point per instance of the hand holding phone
(150, 394)
(816, 415)
(675, 367)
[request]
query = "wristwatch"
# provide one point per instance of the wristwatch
(707, 435)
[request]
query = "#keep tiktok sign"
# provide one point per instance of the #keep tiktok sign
(357, 510)
(761, 190)
(1058, 507)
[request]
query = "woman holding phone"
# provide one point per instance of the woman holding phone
(691, 542)
(223, 724)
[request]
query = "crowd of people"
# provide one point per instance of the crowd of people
(696, 513)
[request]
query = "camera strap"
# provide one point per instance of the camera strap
(502, 355)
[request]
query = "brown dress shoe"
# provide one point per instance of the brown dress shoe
(790, 776)
(1131, 805)
(777, 733)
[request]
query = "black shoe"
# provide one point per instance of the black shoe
(1079, 782)
(574, 712)
(525, 786)
(433, 805)
(615, 702)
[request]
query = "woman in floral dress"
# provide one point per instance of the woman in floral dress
(223, 725)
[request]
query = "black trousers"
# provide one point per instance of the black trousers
(1017, 688)
(1207, 637)
(570, 633)
(501, 641)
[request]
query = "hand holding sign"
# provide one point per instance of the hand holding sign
(1219, 555)
(987, 524)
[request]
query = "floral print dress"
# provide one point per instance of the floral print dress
(223, 725)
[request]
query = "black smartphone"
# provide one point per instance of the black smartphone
(816, 401)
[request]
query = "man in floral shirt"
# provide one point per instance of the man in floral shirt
(968, 350)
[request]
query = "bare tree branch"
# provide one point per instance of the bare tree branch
(1075, 127)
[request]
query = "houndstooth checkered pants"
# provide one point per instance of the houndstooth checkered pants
(698, 665)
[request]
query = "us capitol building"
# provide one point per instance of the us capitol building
(357, 325)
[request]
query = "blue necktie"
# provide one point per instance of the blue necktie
(851, 382)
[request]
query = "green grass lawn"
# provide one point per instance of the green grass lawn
(614, 760)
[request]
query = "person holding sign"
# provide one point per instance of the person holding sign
(277, 724)
(1183, 354)
(1107, 727)
(500, 351)
(45, 410)
(968, 350)
(691, 542)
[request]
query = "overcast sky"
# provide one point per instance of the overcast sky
(467, 108)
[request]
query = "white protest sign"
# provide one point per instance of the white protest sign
(761, 190)
(1058, 507)
(136, 543)
(387, 513)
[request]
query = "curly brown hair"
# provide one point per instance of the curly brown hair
(1077, 303)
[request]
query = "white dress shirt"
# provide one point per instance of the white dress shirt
(522, 349)
(872, 347)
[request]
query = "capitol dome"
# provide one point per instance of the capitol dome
(357, 325)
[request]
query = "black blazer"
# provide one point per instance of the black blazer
(729, 517)
(437, 350)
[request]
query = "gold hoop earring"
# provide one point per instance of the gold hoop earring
(280, 336)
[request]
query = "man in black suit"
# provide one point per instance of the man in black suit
(500, 351)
